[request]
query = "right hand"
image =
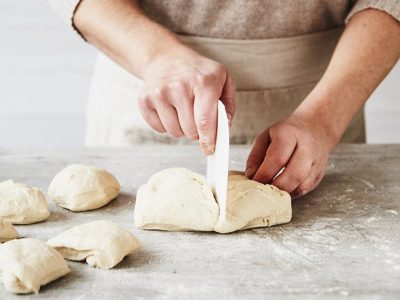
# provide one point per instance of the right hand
(180, 96)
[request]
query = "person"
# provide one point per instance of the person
(293, 75)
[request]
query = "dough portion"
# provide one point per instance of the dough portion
(28, 264)
(102, 244)
(82, 187)
(22, 204)
(176, 199)
(179, 199)
(7, 231)
(251, 204)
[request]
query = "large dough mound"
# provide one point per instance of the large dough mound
(179, 199)
(28, 264)
(22, 204)
(7, 231)
(102, 244)
(82, 187)
(176, 199)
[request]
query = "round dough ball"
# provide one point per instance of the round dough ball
(22, 204)
(102, 244)
(176, 199)
(28, 264)
(82, 187)
(7, 231)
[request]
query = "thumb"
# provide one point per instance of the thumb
(228, 97)
(205, 116)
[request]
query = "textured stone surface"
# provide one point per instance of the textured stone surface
(343, 240)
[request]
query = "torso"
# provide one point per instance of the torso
(247, 19)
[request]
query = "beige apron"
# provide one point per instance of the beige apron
(273, 77)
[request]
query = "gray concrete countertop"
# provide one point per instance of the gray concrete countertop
(343, 241)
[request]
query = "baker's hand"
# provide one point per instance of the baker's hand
(180, 96)
(297, 144)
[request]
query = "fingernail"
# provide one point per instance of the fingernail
(229, 119)
(207, 148)
(249, 172)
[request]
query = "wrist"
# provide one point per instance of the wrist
(166, 58)
(319, 113)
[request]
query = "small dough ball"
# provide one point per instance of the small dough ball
(28, 264)
(22, 204)
(252, 204)
(176, 199)
(102, 243)
(81, 187)
(7, 231)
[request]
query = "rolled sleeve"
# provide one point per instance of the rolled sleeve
(392, 7)
(66, 9)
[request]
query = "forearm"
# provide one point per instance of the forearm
(120, 30)
(366, 52)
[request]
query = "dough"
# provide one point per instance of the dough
(28, 264)
(176, 199)
(252, 204)
(102, 243)
(7, 231)
(81, 188)
(22, 204)
(179, 199)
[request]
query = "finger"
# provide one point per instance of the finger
(169, 119)
(310, 183)
(185, 113)
(205, 115)
(228, 97)
(277, 156)
(257, 154)
(296, 171)
(151, 117)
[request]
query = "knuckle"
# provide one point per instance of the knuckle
(218, 69)
(176, 133)
(203, 124)
(298, 175)
(201, 79)
(277, 160)
(177, 85)
(193, 136)
(145, 100)
(158, 95)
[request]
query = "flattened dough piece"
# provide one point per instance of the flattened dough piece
(22, 204)
(176, 199)
(179, 199)
(28, 264)
(102, 243)
(7, 231)
(82, 187)
(252, 204)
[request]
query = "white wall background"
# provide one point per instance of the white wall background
(45, 71)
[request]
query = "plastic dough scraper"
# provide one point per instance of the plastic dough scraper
(218, 163)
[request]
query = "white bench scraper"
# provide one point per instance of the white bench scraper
(218, 163)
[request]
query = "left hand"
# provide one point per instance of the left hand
(299, 145)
